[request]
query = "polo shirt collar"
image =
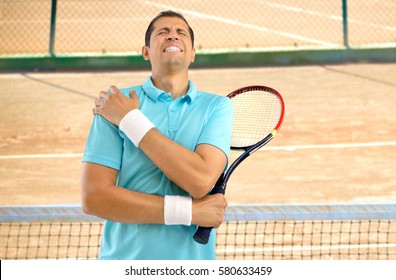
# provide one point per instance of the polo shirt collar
(157, 94)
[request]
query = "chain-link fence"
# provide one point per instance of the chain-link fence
(118, 26)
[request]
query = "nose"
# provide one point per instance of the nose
(172, 36)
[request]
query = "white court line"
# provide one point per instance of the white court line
(333, 17)
(329, 146)
(241, 24)
(274, 148)
(298, 248)
(41, 156)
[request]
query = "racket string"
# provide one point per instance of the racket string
(256, 115)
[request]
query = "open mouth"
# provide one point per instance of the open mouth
(172, 49)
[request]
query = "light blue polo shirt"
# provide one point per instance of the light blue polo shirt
(193, 119)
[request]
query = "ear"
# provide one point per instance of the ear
(145, 52)
(193, 55)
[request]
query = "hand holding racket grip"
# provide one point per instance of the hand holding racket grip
(203, 233)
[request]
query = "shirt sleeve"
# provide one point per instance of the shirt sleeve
(104, 144)
(218, 129)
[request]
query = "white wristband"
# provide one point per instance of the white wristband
(177, 210)
(135, 125)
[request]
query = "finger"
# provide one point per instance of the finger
(103, 95)
(96, 111)
(132, 94)
(113, 90)
(98, 103)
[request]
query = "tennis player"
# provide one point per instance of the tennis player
(154, 152)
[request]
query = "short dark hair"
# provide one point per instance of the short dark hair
(168, 13)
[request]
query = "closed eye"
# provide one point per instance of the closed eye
(163, 31)
(182, 32)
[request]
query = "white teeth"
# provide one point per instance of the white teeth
(172, 49)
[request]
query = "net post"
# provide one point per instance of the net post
(345, 22)
(52, 27)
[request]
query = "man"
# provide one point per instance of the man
(154, 152)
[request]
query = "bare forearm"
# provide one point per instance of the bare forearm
(125, 206)
(188, 169)
(121, 205)
(101, 197)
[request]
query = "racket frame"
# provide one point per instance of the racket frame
(203, 233)
(248, 150)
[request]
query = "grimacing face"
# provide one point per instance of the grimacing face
(170, 44)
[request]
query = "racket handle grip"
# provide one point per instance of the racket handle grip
(203, 233)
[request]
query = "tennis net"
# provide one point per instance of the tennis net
(341, 231)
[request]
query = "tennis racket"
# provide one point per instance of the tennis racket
(258, 116)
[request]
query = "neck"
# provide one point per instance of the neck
(176, 84)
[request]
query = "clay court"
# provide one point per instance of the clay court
(338, 140)
(337, 143)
